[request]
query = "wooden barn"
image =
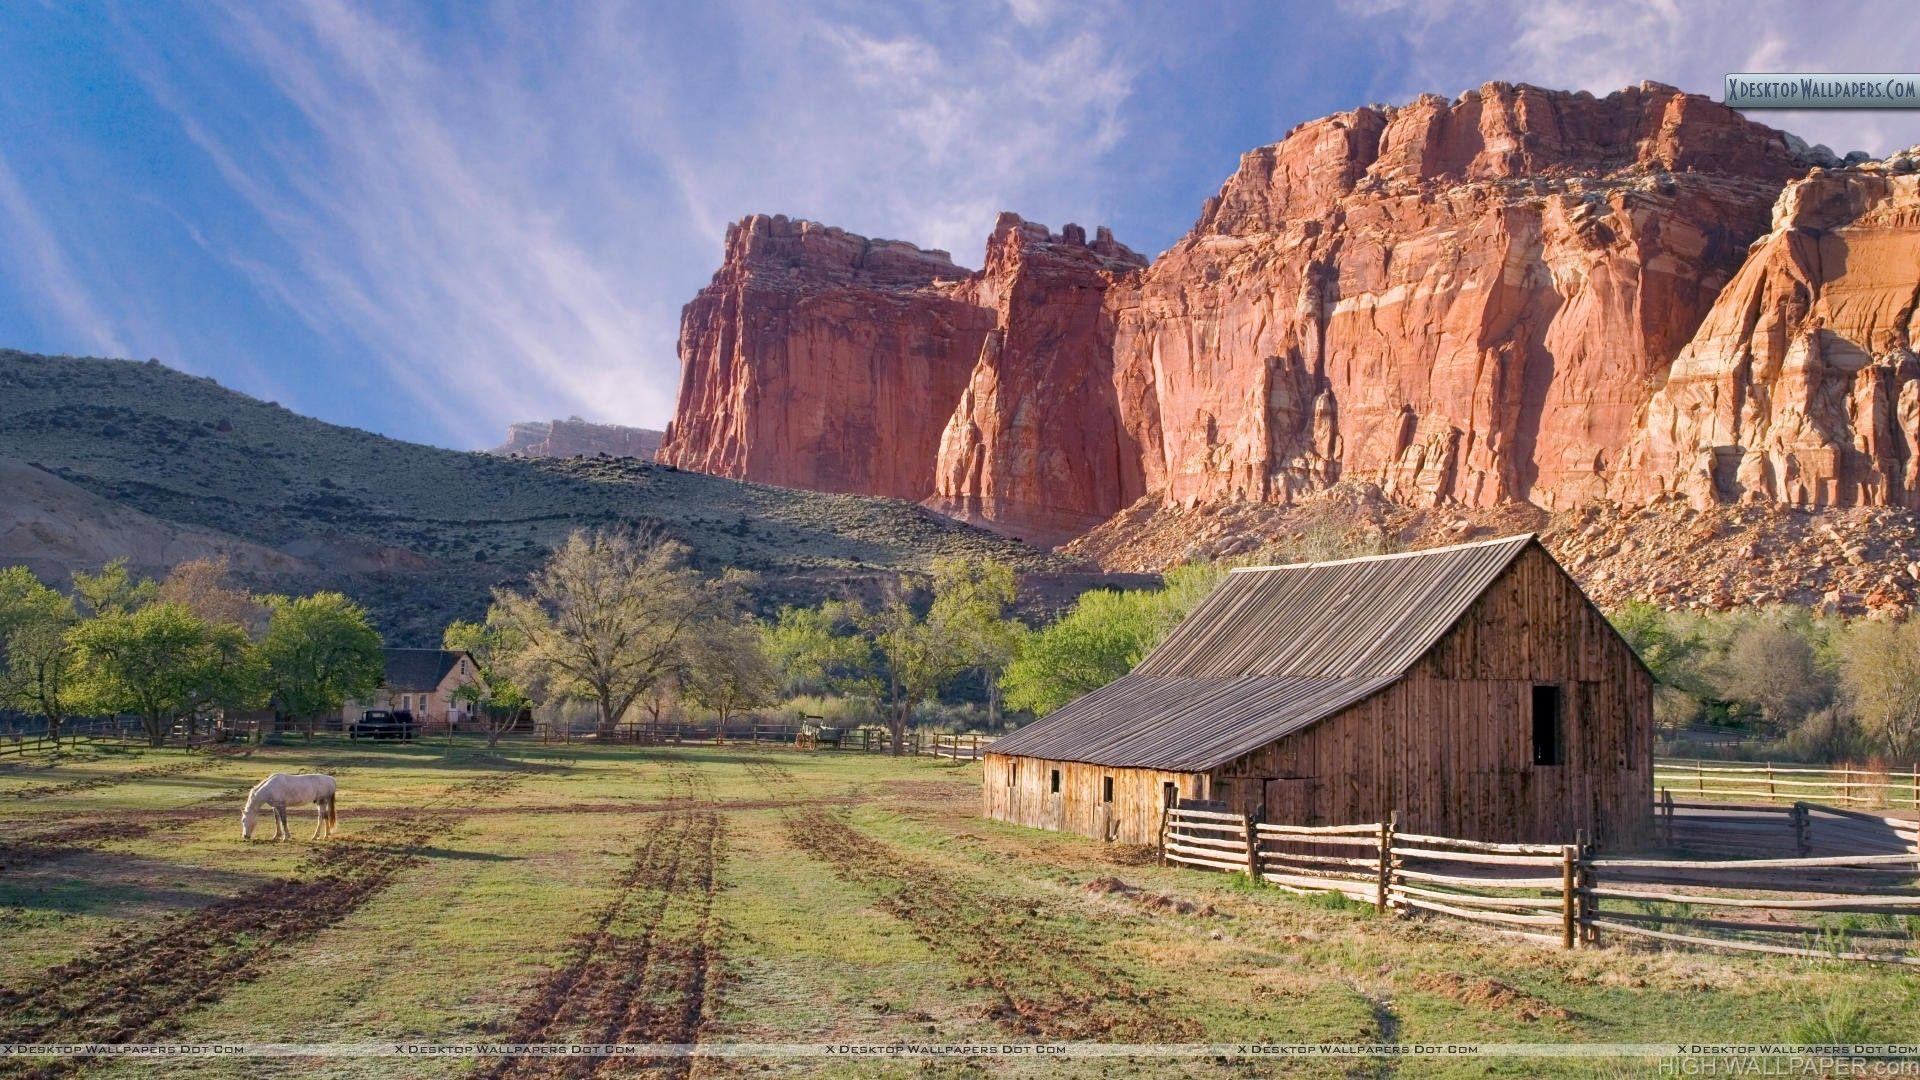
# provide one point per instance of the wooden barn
(1473, 689)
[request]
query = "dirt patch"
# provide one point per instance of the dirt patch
(24, 851)
(1492, 995)
(644, 971)
(130, 776)
(1152, 901)
(136, 986)
(1047, 984)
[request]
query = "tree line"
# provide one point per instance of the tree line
(185, 646)
(1819, 687)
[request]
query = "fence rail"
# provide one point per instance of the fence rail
(1838, 785)
(1565, 895)
(969, 746)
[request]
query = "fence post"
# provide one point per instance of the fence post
(1253, 849)
(1700, 777)
(1769, 779)
(1802, 829)
(1166, 820)
(1666, 813)
(1584, 885)
(1569, 894)
(1381, 882)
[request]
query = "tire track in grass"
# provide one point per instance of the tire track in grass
(137, 986)
(644, 971)
(49, 844)
(130, 776)
(1047, 985)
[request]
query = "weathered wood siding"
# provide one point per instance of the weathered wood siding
(1019, 790)
(1450, 746)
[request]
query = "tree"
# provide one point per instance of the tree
(1100, 638)
(970, 600)
(495, 698)
(318, 651)
(607, 617)
(203, 586)
(113, 591)
(919, 655)
(821, 649)
(161, 663)
(36, 663)
(729, 671)
(1880, 672)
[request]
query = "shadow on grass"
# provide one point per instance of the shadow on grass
(107, 883)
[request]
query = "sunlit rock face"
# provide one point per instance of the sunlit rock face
(821, 359)
(1466, 302)
(1801, 385)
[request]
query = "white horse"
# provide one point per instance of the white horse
(282, 790)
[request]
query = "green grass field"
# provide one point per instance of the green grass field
(733, 895)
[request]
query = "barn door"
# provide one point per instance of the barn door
(1294, 800)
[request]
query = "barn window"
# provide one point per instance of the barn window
(1106, 789)
(1169, 794)
(1548, 744)
(1013, 773)
(1055, 787)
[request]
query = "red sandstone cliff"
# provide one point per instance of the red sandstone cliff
(1466, 302)
(1462, 301)
(820, 359)
(1036, 447)
(1801, 386)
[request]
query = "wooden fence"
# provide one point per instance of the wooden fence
(865, 739)
(1836, 785)
(1565, 895)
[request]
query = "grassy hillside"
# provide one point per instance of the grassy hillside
(418, 532)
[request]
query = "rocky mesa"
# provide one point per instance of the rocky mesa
(574, 437)
(1515, 297)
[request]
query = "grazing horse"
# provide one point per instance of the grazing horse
(282, 790)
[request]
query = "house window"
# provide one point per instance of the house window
(1549, 744)
(1106, 789)
(1170, 794)
(1055, 786)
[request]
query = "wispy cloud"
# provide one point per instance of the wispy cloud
(40, 260)
(1603, 45)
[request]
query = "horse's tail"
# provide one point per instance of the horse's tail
(331, 799)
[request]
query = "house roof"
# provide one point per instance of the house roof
(1271, 650)
(419, 670)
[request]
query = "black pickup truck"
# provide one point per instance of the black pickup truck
(382, 724)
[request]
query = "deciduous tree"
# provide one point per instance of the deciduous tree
(161, 663)
(319, 651)
(36, 662)
(606, 617)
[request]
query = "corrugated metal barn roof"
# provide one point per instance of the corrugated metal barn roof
(1269, 651)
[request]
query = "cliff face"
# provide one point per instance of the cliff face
(1463, 302)
(574, 437)
(1467, 303)
(820, 359)
(1036, 446)
(1801, 385)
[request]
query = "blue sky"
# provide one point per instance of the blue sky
(432, 220)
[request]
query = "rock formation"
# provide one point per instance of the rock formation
(574, 437)
(1801, 385)
(1036, 446)
(820, 359)
(1463, 301)
(1466, 303)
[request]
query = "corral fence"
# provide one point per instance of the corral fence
(865, 739)
(127, 731)
(1873, 786)
(1849, 907)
